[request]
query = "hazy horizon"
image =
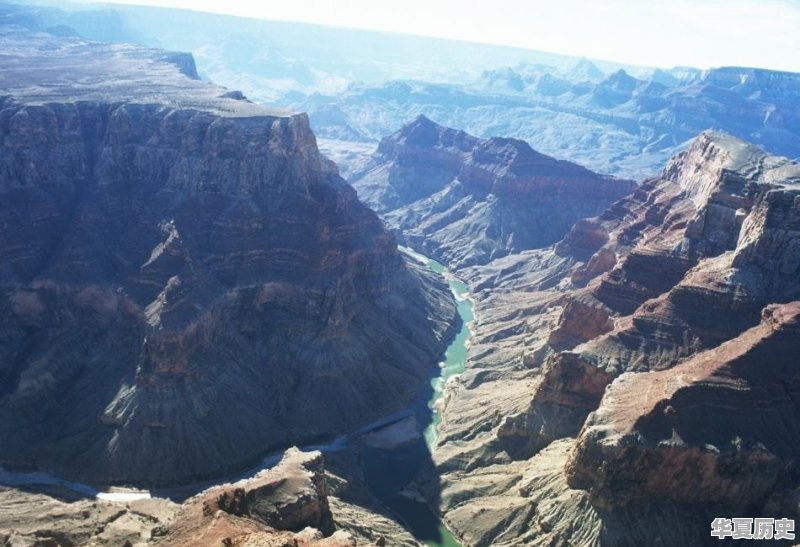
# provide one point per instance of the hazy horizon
(702, 34)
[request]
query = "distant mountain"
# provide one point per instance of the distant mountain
(359, 86)
(467, 201)
(585, 71)
(269, 58)
(621, 124)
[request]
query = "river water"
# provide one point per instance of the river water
(388, 471)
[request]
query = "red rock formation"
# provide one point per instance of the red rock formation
(702, 250)
(580, 321)
(720, 427)
(653, 308)
(284, 506)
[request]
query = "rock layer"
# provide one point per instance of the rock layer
(298, 502)
(186, 283)
(618, 124)
(285, 505)
(719, 427)
(467, 201)
(638, 333)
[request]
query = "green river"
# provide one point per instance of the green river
(388, 471)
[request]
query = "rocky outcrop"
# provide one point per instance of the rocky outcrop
(570, 389)
(623, 310)
(59, 517)
(530, 503)
(694, 285)
(290, 496)
(285, 505)
(677, 287)
(720, 427)
(298, 502)
(186, 283)
(467, 201)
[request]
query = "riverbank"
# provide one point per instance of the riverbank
(398, 452)
(388, 471)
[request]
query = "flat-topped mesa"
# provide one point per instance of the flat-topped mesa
(770, 83)
(186, 283)
(467, 200)
(41, 69)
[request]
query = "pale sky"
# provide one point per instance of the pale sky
(665, 33)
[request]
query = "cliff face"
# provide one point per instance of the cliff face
(300, 502)
(685, 274)
(467, 201)
(719, 427)
(661, 334)
(186, 282)
(286, 505)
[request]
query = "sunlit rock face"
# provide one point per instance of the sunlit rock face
(642, 369)
(286, 505)
(719, 427)
(186, 282)
(468, 201)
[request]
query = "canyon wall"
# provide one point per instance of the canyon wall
(467, 201)
(641, 370)
(186, 282)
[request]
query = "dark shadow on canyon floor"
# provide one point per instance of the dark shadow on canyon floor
(388, 473)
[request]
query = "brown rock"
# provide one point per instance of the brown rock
(680, 269)
(720, 427)
(290, 497)
(466, 201)
(185, 282)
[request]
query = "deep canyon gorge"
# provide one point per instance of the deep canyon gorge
(472, 341)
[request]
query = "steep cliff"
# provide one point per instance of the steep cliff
(639, 334)
(186, 283)
(719, 427)
(286, 505)
(685, 277)
(467, 201)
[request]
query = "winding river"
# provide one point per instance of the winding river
(386, 470)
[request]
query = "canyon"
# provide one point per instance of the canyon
(358, 87)
(621, 121)
(639, 373)
(189, 291)
(187, 283)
